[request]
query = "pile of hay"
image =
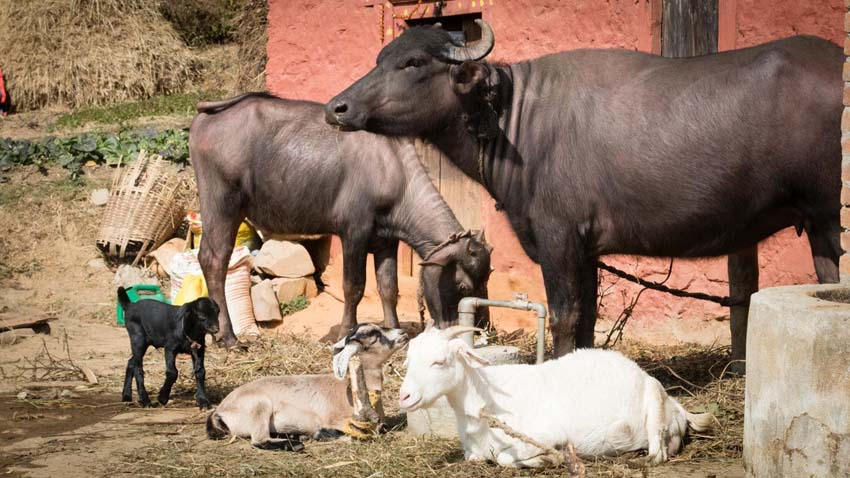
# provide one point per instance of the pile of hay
(90, 52)
(250, 31)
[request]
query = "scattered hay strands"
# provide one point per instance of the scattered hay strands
(701, 386)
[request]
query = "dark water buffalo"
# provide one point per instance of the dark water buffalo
(279, 164)
(595, 152)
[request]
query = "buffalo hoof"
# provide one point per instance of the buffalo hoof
(226, 341)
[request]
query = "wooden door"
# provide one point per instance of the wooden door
(689, 28)
(461, 193)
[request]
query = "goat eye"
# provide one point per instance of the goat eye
(438, 363)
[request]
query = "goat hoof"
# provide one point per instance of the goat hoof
(126, 398)
(146, 404)
(162, 400)
(204, 404)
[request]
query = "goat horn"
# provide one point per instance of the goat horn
(457, 330)
(475, 51)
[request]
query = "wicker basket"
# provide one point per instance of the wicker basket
(142, 211)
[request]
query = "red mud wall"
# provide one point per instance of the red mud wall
(760, 21)
(318, 47)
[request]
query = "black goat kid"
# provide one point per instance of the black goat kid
(177, 329)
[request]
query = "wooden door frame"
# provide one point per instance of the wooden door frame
(649, 32)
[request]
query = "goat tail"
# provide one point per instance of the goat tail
(216, 428)
(698, 422)
(123, 298)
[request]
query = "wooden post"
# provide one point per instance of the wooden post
(743, 282)
(844, 261)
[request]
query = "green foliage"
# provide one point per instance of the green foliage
(108, 148)
(295, 305)
(201, 22)
(162, 105)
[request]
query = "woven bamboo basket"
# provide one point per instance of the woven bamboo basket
(143, 210)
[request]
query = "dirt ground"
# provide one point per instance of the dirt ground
(53, 422)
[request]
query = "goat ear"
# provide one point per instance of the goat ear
(429, 324)
(467, 355)
(335, 348)
(186, 313)
(340, 362)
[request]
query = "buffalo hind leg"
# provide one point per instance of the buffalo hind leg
(221, 222)
(743, 267)
(386, 274)
(586, 326)
(560, 263)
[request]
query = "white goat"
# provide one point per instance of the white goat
(598, 400)
(270, 410)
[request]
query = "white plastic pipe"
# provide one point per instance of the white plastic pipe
(466, 313)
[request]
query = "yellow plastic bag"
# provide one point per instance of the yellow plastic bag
(244, 235)
(194, 287)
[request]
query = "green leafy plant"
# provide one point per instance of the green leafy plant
(295, 305)
(108, 148)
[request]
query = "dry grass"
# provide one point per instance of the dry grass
(692, 373)
(251, 33)
(90, 52)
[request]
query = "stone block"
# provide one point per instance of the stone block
(311, 290)
(844, 267)
(796, 417)
(845, 217)
(284, 259)
(266, 307)
(287, 289)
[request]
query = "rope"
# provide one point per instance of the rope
(566, 457)
(725, 301)
(420, 290)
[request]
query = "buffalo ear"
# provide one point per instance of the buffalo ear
(467, 75)
(440, 258)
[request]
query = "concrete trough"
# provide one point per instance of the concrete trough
(797, 410)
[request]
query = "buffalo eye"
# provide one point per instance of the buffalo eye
(414, 63)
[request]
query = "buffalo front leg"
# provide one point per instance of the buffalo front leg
(743, 269)
(386, 274)
(562, 280)
(214, 256)
(354, 252)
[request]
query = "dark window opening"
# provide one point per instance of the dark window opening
(462, 28)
